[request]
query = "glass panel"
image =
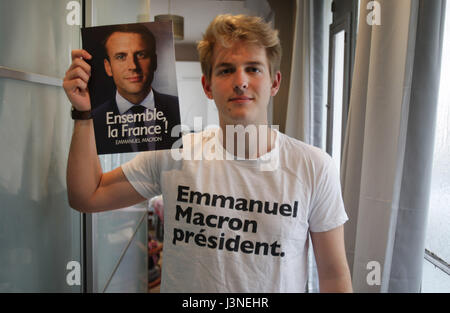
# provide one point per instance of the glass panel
(192, 99)
(113, 230)
(39, 233)
(129, 276)
(435, 280)
(326, 46)
(338, 88)
(437, 239)
(109, 12)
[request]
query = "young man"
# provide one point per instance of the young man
(229, 225)
(130, 60)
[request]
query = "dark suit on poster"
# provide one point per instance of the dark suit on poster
(168, 104)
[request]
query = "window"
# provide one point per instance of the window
(338, 77)
(436, 270)
(341, 56)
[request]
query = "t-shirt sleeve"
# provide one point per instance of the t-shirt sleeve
(327, 207)
(144, 174)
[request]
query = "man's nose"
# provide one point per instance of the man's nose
(240, 82)
(133, 63)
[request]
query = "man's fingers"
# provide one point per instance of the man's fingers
(75, 81)
(79, 83)
(75, 85)
(80, 54)
(77, 72)
(80, 63)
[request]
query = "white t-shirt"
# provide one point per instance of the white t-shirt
(239, 225)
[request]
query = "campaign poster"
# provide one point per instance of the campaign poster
(133, 87)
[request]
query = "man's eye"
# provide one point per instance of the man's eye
(120, 57)
(141, 55)
(254, 70)
(225, 71)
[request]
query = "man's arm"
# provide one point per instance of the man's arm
(334, 274)
(89, 189)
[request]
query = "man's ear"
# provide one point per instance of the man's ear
(207, 87)
(275, 84)
(107, 67)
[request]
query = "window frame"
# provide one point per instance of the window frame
(345, 17)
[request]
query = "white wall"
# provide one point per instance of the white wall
(199, 13)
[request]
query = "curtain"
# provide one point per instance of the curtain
(39, 233)
(299, 99)
(305, 119)
(387, 155)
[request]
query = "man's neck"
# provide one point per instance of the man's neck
(247, 141)
(136, 98)
(123, 105)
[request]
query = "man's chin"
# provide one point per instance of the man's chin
(241, 119)
(136, 89)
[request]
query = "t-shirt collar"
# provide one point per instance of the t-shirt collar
(269, 157)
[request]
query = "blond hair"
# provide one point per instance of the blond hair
(227, 29)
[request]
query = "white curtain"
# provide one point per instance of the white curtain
(39, 232)
(386, 163)
(300, 101)
(308, 85)
(305, 116)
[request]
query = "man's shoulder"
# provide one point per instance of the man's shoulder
(107, 106)
(162, 97)
(291, 143)
(298, 150)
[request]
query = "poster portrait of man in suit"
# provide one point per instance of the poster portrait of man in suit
(136, 117)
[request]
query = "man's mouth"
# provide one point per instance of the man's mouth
(240, 99)
(134, 79)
